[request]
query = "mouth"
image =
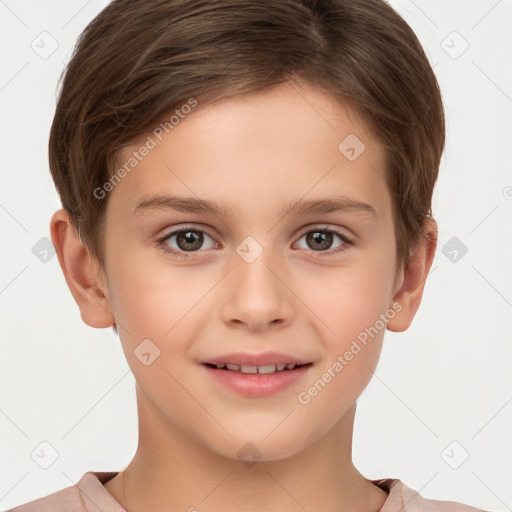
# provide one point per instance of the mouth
(252, 369)
(256, 375)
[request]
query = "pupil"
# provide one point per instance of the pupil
(322, 238)
(189, 237)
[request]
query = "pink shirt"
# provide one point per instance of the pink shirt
(89, 495)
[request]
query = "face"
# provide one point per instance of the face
(294, 265)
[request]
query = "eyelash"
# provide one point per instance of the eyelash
(184, 255)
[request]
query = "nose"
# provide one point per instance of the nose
(256, 295)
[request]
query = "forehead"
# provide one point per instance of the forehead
(258, 150)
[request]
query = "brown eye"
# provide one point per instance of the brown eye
(189, 240)
(321, 240)
(182, 241)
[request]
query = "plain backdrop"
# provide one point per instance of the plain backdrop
(438, 413)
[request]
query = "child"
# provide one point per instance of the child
(294, 146)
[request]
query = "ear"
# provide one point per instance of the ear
(414, 278)
(82, 272)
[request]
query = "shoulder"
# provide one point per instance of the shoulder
(404, 499)
(65, 499)
(88, 495)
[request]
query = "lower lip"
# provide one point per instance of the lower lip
(257, 384)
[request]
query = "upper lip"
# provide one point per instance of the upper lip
(252, 359)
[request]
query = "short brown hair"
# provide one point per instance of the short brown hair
(138, 60)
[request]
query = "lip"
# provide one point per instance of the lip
(255, 359)
(256, 385)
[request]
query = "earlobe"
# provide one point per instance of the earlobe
(414, 278)
(80, 272)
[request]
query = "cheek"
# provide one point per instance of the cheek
(350, 307)
(152, 298)
(157, 305)
(353, 304)
(350, 299)
(352, 310)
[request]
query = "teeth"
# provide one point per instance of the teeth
(249, 369)
(244, 368)
(271, 368)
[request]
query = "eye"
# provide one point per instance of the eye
(185, 240)
(321, 240)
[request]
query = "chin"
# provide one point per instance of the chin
(251, 449)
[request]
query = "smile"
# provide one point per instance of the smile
(257, 380)
(270, 368)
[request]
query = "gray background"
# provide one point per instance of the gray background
(436, 414)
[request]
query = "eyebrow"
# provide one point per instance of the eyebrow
(196, 205)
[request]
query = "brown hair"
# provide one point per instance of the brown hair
(138, 60)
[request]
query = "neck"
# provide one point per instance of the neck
(171, 471)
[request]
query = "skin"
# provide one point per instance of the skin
(256, 152)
